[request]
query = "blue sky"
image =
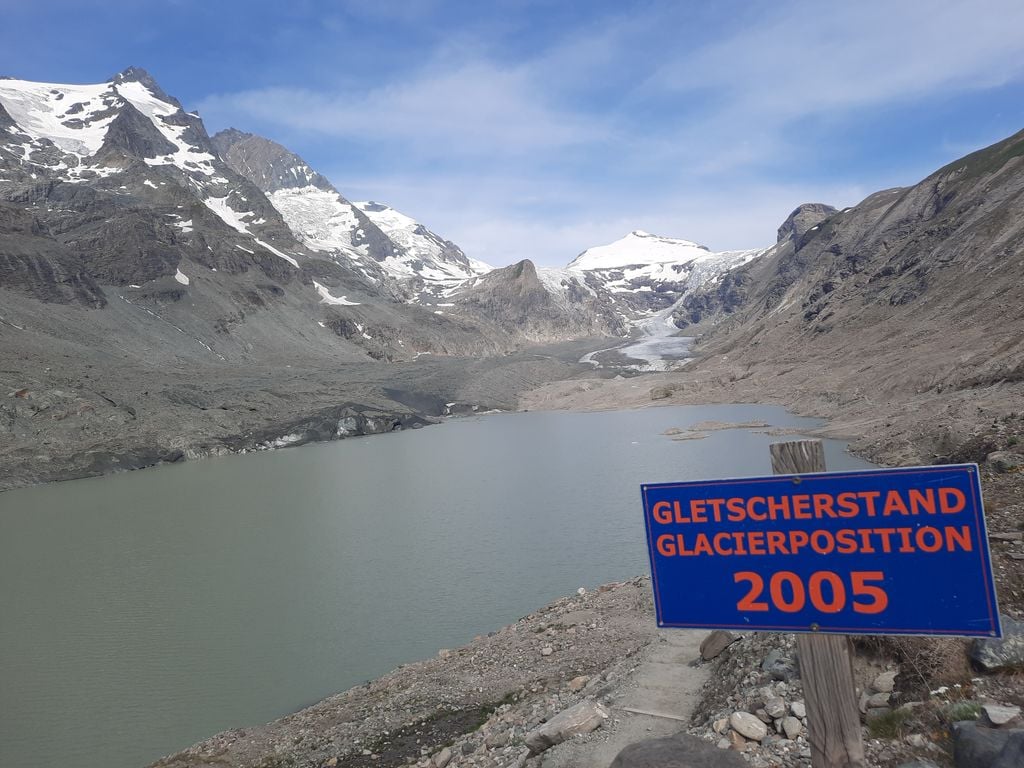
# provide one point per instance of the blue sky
(535, 129)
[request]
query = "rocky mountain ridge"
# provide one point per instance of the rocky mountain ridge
(387, 246)
(155, 304)
(930, 274)
(114, 185)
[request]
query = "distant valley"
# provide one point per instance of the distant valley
(167, 294)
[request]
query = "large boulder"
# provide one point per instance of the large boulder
(679, 751)
(975, 746)
(1006, 653)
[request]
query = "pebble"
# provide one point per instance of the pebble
(577, 683)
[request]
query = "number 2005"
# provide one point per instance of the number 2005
(827, 591)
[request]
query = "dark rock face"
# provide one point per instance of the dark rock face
(718, 299)
(1001, 654)
(516, 301)
(266, 163)
(39, 267)
(679, 751)
(134, 134)
(802, 219)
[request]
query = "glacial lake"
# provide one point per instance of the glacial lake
(144, 611)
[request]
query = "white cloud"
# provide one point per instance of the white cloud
(630, 122)
(474, 108)
(806, 58)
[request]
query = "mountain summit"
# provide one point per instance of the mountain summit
(646, 273)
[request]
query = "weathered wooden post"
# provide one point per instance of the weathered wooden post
(826, 661)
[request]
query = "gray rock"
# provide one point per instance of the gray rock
(775, 707)
(748, 725)
(679, 751)
(999, 714)
(975, 746)
(878, 700)
(442, 758)
(1006, 653)
(497, 740)
(792, 727)
(1005, 461)
(920, 763)
(779, 666)
(584, 717)
(763, 716)
(885, 682)
(715, 643)
(799, 709)
(1011, 536)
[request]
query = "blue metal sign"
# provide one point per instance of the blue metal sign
(891, 551)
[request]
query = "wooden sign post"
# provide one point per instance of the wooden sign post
(899, 551)
(826, 661)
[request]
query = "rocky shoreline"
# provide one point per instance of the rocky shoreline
(484, 705)
(87, 420)
(480, 705)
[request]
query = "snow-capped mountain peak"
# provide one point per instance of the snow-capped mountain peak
(80, 120)
(420, 252)
(639, 248)
(645, 273)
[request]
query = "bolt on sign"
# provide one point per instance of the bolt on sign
(889, 551)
